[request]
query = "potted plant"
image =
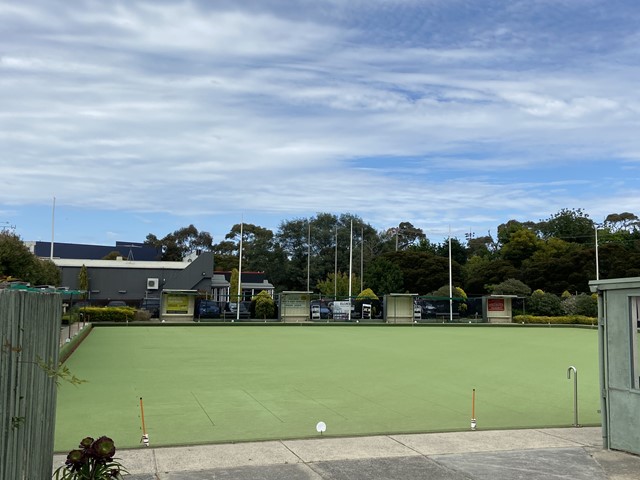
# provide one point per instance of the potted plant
(93, 460)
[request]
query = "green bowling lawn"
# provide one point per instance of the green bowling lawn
(205, 384)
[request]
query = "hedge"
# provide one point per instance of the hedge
(109, 314)
(564, 320)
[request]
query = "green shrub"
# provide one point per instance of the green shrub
(70, 318)
(582, 304)
(109, 314)
(265, 307)
(587, 305)
(561, 320)
(544, 304)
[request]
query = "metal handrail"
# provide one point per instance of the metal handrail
(575, 393)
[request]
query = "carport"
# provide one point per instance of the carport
(177, 304)
(295, 306)
(399, 307)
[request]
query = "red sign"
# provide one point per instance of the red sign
(496, 305)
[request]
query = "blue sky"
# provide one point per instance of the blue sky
(146, 116)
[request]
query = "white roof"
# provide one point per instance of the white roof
(151, 265)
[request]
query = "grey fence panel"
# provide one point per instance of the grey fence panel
(29, 332)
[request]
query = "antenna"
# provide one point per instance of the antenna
(130, 254)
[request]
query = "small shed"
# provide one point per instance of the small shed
(399, 307)
(177, 305)
(295, 307)
(497, 308)
(618, 323)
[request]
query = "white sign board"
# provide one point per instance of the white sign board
(341, 309)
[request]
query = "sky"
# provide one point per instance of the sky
(144, 117)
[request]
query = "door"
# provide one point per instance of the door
(621, 381)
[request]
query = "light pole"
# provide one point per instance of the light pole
(308, 252)
(597, 259)
(361, 257)
(335, 268)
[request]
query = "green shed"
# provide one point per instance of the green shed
(618, 321)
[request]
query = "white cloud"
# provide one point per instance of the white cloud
(178, 106)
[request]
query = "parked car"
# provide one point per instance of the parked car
(322, 308)
(428, 310)
(116, 303)
(151, 305)
(231, 310)
(206, 309)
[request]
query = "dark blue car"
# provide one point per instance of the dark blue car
(207, 309)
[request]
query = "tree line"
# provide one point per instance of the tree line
(555, 255)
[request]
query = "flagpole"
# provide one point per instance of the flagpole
(450, 281)
(597, 261)
(239, 272)
(308, 252)
(350, 265)
(335, 269)
(53, 217)
(361, 258)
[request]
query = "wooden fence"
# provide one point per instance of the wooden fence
(29, 331)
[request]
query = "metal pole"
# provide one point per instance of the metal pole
(575, 394)
(361, 258)
(597, 261)
(335, 269)
(53, 216)
(308, 252)
(239, 273)
(350, 265)
(450, 281)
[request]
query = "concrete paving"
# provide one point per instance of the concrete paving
(555, 453)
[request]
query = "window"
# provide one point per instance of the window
(635, 324)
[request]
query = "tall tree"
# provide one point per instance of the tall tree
(17, 261)
(312, 243)
(482, 246)
(233, 286)
(506, 230)
(257, 244)
(15, 258)
(570, 225)
(339, 284)
(45, 273)
(403, 236)
(384, 276)
(558, 266)
(83, 279)
(458, 251)
(522, 245)
(625, 221)
(181, 243)
(423, 272)
(480, 272)
(510, 286)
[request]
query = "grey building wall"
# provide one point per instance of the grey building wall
(128, 282)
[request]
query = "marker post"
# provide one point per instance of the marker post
(145, 437)
(473, 410)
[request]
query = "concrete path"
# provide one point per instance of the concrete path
(556, 453)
